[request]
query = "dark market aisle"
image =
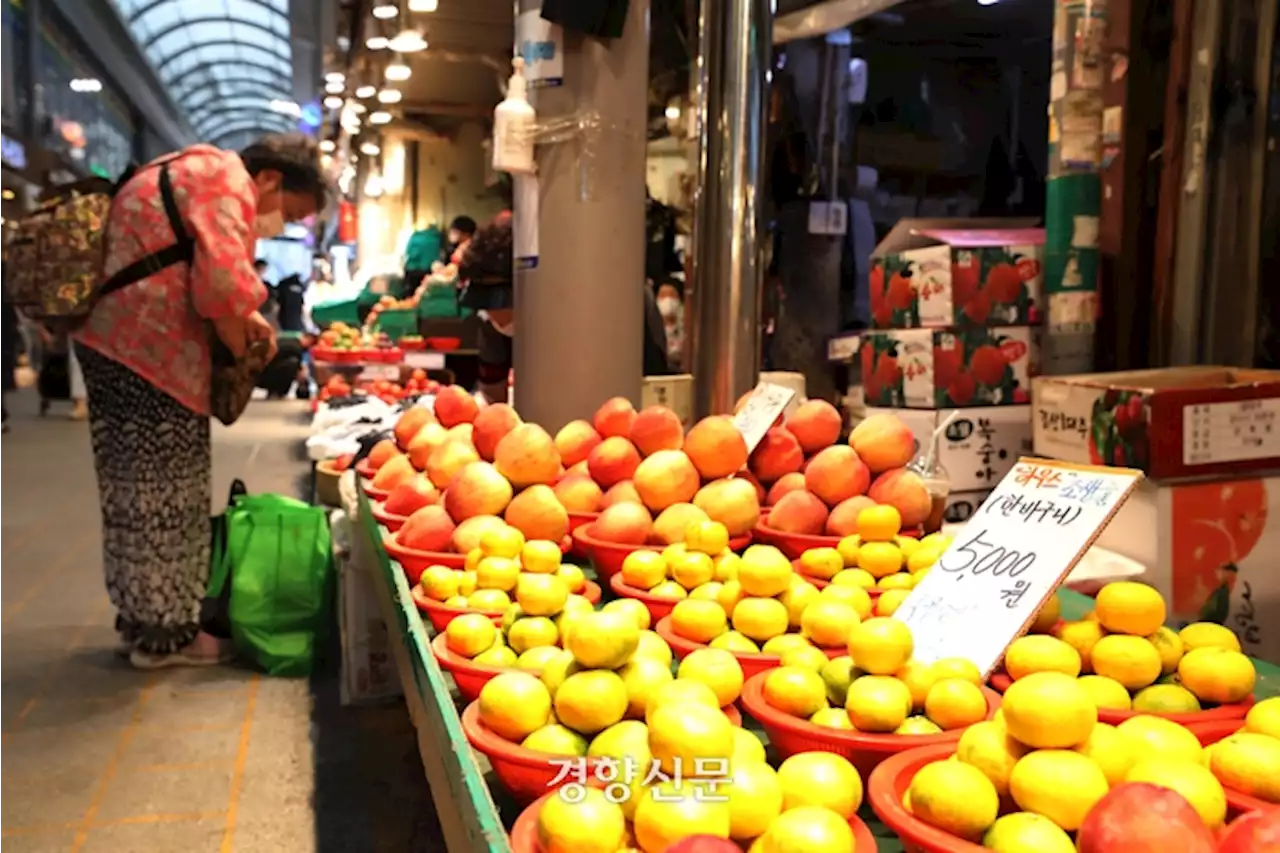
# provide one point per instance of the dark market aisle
(98, 757)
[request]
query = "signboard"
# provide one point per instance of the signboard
(540, 44)
(984, 592)
(424, 360)
(375, 372)
(763, 407)
(828, 218)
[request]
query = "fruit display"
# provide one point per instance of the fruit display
(697, 567)
(342, 343)
(1129, 662)
(1247, 760)
(338, 387)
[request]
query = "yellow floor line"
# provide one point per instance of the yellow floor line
(51, 677)
(237, 774)
(43, 828)
(69, 557)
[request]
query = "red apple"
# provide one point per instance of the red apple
(1138, 817)
(703, 844)
(1251, 833)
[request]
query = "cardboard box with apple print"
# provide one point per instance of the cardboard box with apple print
(958, 272)
(933, 369)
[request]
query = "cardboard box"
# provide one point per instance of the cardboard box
(938, 273)
(674, 392)
(1172, 423)
(961, 506)
(1209, 547)
(980, 445)
(931, 369)
(368, 670)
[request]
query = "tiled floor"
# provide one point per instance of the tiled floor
(98, 757)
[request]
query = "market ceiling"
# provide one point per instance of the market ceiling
(228, 64)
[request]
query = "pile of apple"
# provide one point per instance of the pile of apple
(388, 392)
(817, 487)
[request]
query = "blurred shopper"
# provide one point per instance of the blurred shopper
(462, 230)
(146, 351)
(485, 272)
(10, 337)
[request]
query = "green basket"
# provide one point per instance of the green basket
(396, 323)
(327, 314)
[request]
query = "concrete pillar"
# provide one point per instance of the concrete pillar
(32, 59)
(579, 315)
(732, 94)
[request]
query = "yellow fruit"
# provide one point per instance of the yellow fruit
(540, 556)
(1047, 616)
(709, 591)
(556, 740)
(514, 705)
(513, 614)
(717, 669)
(755, 799)
(573, 608)
(440, 582)
(821, 563)
(827, 623)
(533, 660)
(746, 747)
(880, 559)
(497, 573)
(847, 548)
(698, 620)
(1217, 675)
(765, 571)
(458, 602)
(1264, 717)
(474, 556)
(820, 779)
(680, 694)
(1111, 750)
(592, 700)
(644, 569)
(1040, 653)
(1026, 832)
(837, 675)
(466, 583)
(732, 641)
(503, 541)
(918, 678)
(557, 668)
(1156, 737)
(808, 830)
(877, 703)
(880, 646)
(1192, 780)
(1130, 660)
(806, 657)
(640, 677)
(631, 608)
(1248, 762)
(1060, 784)
(470, 634)
(918, 726)
(670, 589)
(532, 632)
(854, 596)
(832, 718)
(499, 657)
(784, 643)
(651, 645)
(1201, 635)
(954, 797)
(1106, 692)
(727, 565)
(795, 690)
(729, 595)
(1126, 607)
(907, 544)
(706, 537)
(898, 581)
(685, 737)
(1169, 646)
(673, 552)
(602, 640)
(541, 595)
(988, 747)
(923, 558)
(860, 578)
(960, 668)
(1081, 636)
(489, 600)
(669, 812)
(692, 570)
(593, 825)
(1165, 699)
(954, 704)
(879, 523)
(1048, 710)
(760, 618)
(797, 599)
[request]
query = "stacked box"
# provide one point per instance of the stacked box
(956, 307)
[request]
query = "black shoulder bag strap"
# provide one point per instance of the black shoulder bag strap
(182, 251)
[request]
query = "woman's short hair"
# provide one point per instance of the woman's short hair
(296, 157)
(464, 224)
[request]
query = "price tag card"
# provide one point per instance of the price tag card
(424, 360)
(374, 372)
(829, 218)
(984, 592)
(762, 409)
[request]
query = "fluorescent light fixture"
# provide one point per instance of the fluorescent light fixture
(370, 148)
(673, 112)
(358, 108)
(335, 88)
(376, 42)
(366, 91)
(333, 102)
(379, 117)
(385, 11)
(399, 71)
(86, 84)
(390, 96)
(373, 185)
(408, 41)
(327, 146)
(988, 2)
(423, 5)
(335, 77)
(8, 195)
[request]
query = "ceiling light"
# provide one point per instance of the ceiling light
(373, 185)
(8, 195)
(335, 77)
(366, 91)
(334, 88)
(423, 5)
(370, 148)
(379, 117)
(408, 41)
(333, 102)
(673, 112)
(376, 42)
(987, 2)
(358, 108)
(327, 146)
(86, 84)
(383, 11)
(390, 96)
(399, 71)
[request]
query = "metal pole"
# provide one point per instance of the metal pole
(1074, 186)
(579, 313)
(734, 49)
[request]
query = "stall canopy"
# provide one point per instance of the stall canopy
(227, 63)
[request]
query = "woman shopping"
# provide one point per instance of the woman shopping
(146, 353)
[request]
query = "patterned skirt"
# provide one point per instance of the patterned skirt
(154, 464)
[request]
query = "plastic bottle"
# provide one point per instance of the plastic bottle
(513, 121)
(937, 481)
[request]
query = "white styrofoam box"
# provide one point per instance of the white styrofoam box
(980, 445)
(674, 392)
(368, 669)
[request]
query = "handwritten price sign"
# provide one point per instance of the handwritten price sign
(985, 591)
(762, 408)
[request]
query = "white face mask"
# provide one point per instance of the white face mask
(669, 306)
(269, 224)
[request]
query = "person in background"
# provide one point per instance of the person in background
(462, 230)
(290, 295)
(147, 361)
(10, 337)
(260, 267)
(671, 307)
(486, 274)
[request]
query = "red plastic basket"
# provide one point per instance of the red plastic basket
(752, 664)
(391, 521)
(606, 557)
(576, 520)
(890, 780)
(524, 833)
(365, 470)
(659, 605)
(790, 735)
(443, 344)
(440, 615)
(820, 583)
(793, 544)
(1212, 732)
(377, 495)
(471, 677)
(415, 562)
(1000, 682)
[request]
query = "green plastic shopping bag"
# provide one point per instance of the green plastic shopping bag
(276, 554)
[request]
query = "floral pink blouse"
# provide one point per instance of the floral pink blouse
(158, 327)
